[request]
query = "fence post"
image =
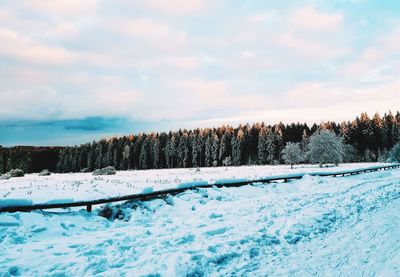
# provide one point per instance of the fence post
(89, 208)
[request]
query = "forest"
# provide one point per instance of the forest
(367, 139)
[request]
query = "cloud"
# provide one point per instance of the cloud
(352, 99)
(390, 41)
(63, 8)
(311, 48)
(21, 47)
(367, 62)
(311, 19)
(175, 7)
(40, 102)
(142, 28)
(378, 61)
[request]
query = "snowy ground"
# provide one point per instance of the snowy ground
(314, 226)
(85, 186)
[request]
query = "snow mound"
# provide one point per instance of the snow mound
(60, 201)
(15, 202)
(109, 170)
(188, 185)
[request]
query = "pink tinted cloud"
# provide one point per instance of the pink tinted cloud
(60, 8)
(311, 19)
(23, 48)
(177, 7)
(315, 48)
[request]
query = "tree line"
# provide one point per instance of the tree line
(366, 140)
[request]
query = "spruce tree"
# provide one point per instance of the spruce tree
(99, 156)
(214, 149)
(125, 157)
(237, 146)
(223, 149)
(195, 153)
(262, 147)
(155, 152)
(143, 157)
(208, 152)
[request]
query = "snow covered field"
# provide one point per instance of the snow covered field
(314, 226)
(85, 186)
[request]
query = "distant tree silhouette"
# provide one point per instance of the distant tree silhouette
(365, 139)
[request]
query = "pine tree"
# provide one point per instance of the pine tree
(369, 156)
(60, 163)
(278, 143)
(305, 139)
(394, 154)
(183, 152)
(155, 152)
(144, 155)
(99, 156)
(200, 147)
(214, 149)
(271, 146)
(195, 153)
(109, 157)
(223, 149)
(126, 157)
(170, 151)
(262, 147)
(237, 147)
(208, 152)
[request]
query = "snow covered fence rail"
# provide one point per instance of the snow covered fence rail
(23, 205)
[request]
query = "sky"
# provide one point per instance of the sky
(73, 71)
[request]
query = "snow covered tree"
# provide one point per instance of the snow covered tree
(227, 161)
(350, 153)
(184, 150)
(369, 156)
(237, 146)
(262, 147)
(277, 141)
(305, 140)
(155, 152)
(109, 158)
(99, 156)
(144, 155)
(91, 156)
(125, 157)
(383, 156)
(195, 154)
(266, 146)
(292, 153)
(214, 149)
(170, 151)
(394, 154)
(208, 152)
(223, 149)
(325, 147)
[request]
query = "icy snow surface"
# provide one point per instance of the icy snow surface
(319, 226)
